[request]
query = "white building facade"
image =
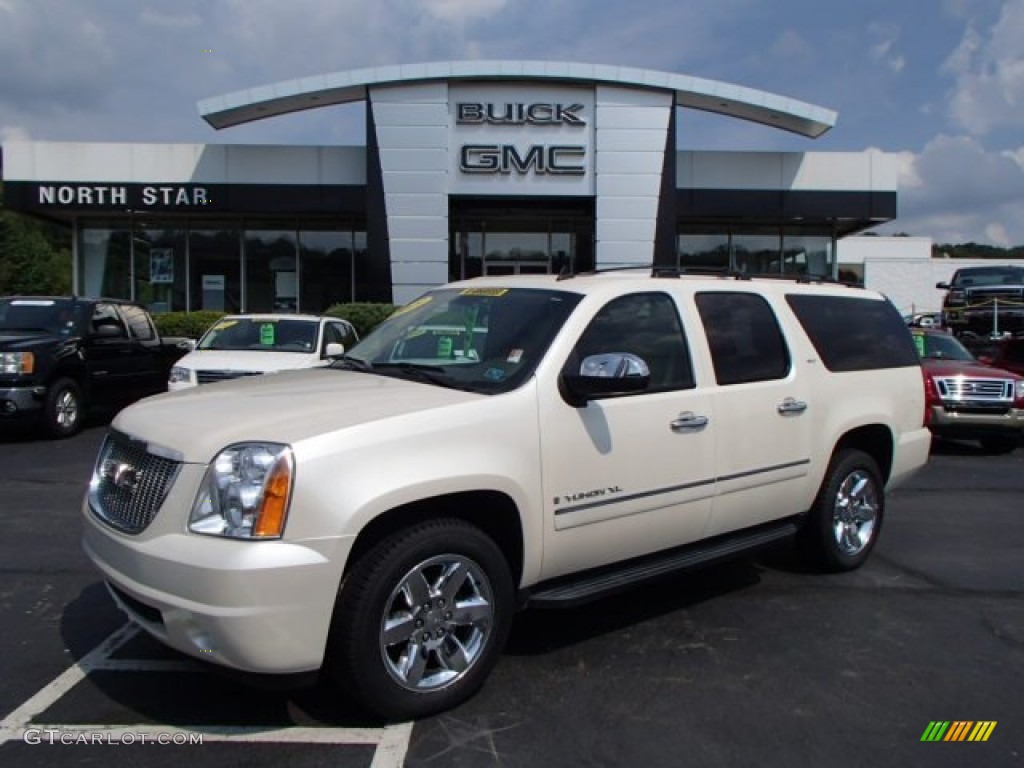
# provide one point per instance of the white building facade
(469, 168)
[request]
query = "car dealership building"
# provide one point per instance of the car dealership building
(469, 168)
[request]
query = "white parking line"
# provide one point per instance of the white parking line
(392, 742)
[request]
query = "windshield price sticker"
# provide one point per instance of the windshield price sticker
(483, 292)
(410, 307)
(267, 334)
(919, 343)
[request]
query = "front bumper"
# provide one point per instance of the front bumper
(21, 401)
(256, 606)
(967, 423)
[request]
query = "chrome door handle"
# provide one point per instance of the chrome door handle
(688, 421)
(789, 405)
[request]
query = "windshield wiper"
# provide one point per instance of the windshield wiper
(432, 374)
(350, 363)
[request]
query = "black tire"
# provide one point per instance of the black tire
(846, 518)
(410, 677)
(999, 444)
(63, 409)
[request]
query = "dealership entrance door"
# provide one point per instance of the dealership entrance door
(519, 237)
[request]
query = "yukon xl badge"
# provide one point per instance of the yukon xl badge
(584, 495)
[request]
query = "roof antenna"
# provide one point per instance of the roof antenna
(564, 273)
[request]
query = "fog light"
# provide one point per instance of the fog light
(9, 406)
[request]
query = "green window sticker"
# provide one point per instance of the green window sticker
(919, 343)
(267, 334)
(444, 346)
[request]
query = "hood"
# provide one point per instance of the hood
(284, 408)
(964, 368)
(247, 360)
(18, 341)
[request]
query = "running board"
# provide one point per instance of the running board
(590, 585)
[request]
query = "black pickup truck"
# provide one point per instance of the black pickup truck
(60, 356)
(984, 300)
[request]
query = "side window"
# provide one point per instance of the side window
(338, 333)
(106, 322)
(139, 323)
(646, 325)
(744, 336)
(854, 334)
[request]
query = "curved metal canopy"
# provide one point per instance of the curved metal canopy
(344, 87)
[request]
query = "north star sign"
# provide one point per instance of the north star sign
(541, 159)
(85, 195)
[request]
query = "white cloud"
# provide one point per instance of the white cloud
(884, 51)
(989, 74)
(14, 133)
(996, 233)
(792, 45)
(463, 10)
(152, 18)
(955, 190)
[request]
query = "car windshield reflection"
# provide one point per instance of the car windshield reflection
(485, 339)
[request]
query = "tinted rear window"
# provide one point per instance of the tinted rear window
(852, 334)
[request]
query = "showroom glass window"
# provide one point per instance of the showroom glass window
(271, 266)
(104, 253)
(703, 251)
(327, 262)
(161, 276)
(215, 266)
(807, 254)
(757, 252)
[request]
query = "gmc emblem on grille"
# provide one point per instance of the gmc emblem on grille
(123, 476)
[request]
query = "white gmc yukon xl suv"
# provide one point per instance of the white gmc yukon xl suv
(495, 444)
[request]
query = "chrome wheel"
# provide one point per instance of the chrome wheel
(855, 512)
(436, 623)
(66, 410)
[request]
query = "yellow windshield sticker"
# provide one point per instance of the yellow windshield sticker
(411, 306)
(224, 324)
(483, 291)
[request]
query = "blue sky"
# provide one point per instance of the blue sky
(939, 83)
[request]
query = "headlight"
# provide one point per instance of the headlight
(245, 492)
(17, 362)
(179, 374)
(1019, 390)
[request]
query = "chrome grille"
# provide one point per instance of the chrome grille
(1012, 295)
(129, 484)
(209, 377)
(960, 388)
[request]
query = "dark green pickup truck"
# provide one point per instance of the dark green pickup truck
(62, 355)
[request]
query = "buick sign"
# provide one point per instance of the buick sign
(542, 113)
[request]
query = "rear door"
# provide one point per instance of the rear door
(763, 453)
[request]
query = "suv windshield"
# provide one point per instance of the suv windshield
(261, 334)
(57, 316)
(941, 347)
(482, 339)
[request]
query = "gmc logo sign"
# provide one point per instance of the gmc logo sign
(555, 160)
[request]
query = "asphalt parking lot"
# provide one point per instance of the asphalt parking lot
(752, 663)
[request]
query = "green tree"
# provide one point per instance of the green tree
(35, 257)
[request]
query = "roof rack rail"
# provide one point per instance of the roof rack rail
(666, 271)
